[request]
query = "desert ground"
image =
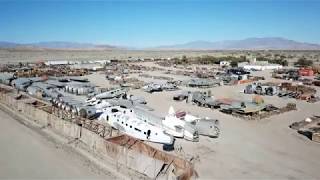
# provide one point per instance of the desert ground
(26, 154)
(32, 55)
(15, 55)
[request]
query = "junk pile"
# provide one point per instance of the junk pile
(255, 110)
(269, 89)
(300, 92)
(287, 74)
(39, 70)
(121, 68)
(285, 89)
(237, 76)
(310, 127)
(125, 81)
(158, 87)
(303, 75)
(203, 99)
(203, 83)
(113, 106)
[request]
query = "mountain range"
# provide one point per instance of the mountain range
(268, 43)
(56, 45)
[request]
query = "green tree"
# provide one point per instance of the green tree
(303, 62)
(233, 63)
(184, 59)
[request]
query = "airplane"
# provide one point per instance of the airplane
(178, 127)
(156, 87)
(205, 126)
(115, 93)
(126, 121)
(99, 103)
(187, 122)
(171, 124)
(152, 87)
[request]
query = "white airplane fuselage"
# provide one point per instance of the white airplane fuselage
(180, 128)
(126, 121)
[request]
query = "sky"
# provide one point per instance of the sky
(138, 23)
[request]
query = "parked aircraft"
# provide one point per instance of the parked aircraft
(115, 93)
(128, 122)
(182, 120)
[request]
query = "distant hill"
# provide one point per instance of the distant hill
(56, 45)
(4, 44)
(271, 43)
(268, 43)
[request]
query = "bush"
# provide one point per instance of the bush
(280, 61)
(303, 62)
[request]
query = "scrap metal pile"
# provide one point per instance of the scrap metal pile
(287, 74)
(40, 69)
(76, 97)
(121, 68)
(269, 89)
(252, 110)
(310, 127)
(306, 76)
(125, 81)
(300, 92)
(158, 87)
(203, 83)
(255, 109)
(284, 89)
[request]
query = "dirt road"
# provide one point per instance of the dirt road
(26, 154)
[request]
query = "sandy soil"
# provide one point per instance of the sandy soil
(27, 55)
(27, 155)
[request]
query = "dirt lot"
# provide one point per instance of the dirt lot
(25, 154)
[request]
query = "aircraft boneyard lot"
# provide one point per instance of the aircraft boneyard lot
(245, 148)
(265, 148)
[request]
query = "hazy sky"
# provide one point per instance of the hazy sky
(151, 23)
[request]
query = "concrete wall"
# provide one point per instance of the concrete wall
(119, 156)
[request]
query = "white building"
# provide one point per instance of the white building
(259, 66)
(56, 63)
(224, 63)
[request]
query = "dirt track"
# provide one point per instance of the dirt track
(25, 154)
